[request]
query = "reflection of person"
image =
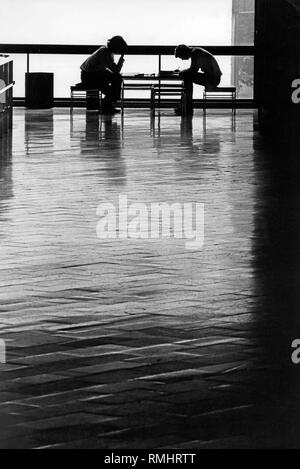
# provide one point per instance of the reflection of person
(101, 72)
(209, 77)
(102, 142)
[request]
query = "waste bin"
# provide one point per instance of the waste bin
(39, 90)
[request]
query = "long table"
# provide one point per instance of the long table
(144, 82)
(152, 77)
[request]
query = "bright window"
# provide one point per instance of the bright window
(164, 22)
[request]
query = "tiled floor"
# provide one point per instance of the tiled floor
(145, 344)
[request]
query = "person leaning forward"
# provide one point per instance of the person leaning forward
(201, 59)
(101, 72)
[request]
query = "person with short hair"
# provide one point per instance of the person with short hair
(201, 59)
(101, 72)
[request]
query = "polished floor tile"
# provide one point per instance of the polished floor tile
(116, 343)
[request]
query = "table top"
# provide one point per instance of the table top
(151, 76)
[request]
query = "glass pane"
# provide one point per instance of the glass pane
(243, 22)
(237, 71)
(197, 22)
(243, 76)
(165, 22)
(20, 65)
(66, 69)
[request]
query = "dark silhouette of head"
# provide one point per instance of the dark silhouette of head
(117, 45)
(183, 52)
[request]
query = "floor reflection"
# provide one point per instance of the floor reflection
(203, 143)
(102, 141)
(6, 173)
(200, 340)
(39, 131)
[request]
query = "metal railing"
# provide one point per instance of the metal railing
(145, 50)
(158, 50)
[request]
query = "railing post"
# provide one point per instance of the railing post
(10, 103)
(159, 51)
(159, 82)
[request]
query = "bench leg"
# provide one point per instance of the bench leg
(234, 104)
(122, 97)
(100, 100)
(204, 103)
(183, 103)
(92, 100)
(152, 101)
(71, 103)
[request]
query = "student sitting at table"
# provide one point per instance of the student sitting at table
(209, 77)
(101, 72)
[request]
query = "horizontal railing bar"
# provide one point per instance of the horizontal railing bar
(132, 50)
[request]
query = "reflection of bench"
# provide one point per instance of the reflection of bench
(169, 90)
(93, 97)
(222, 93)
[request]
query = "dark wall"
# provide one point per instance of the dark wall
(277, 41)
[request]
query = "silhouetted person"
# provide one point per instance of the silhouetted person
(101, 72)
(209, 76)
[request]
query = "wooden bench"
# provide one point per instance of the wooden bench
(92, 96)
(223, 93)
